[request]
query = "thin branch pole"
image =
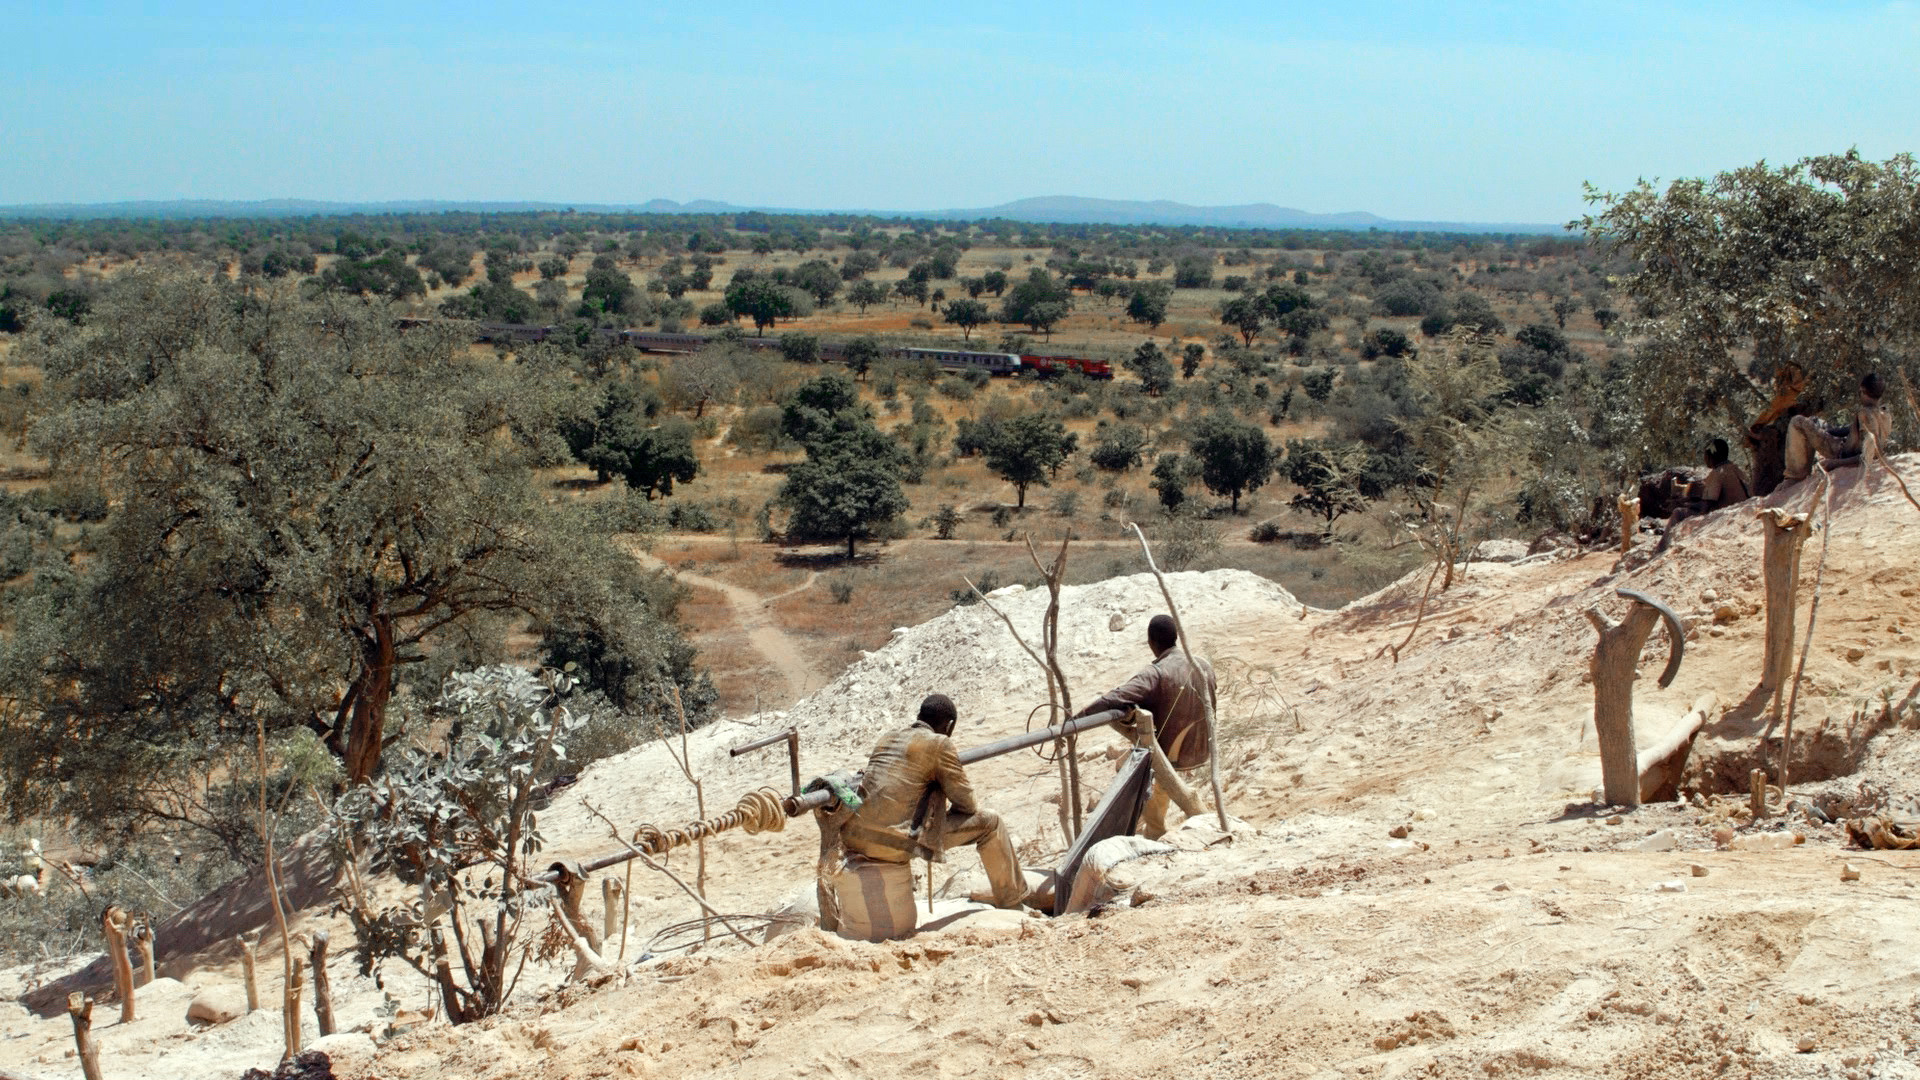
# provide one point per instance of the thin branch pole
(1213, 730)
(643, 857)
(289, 964)
(1053, 575)
(1873, 451)
(685, 761)
(1813, 613)
(1066, 785)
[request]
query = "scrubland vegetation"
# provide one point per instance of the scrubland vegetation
(251, 517)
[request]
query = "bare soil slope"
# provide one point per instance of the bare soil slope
(1514, 929)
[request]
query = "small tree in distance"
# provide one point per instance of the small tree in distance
(1027, 449)
(1235, 457)
(965, 314)
(1328, 475)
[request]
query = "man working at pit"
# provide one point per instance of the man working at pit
(910, 771)
(1170, 689)
(1807, 436)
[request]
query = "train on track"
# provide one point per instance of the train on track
(993, 363)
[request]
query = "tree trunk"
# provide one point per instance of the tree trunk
(1614, 658)
(850, 539)
(1785, 533)
(369, 714)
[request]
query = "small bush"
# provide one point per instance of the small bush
(1266, 532)
(1066, 504)
(963, 596)
(842, 590)
(691, 517)
(945, 520)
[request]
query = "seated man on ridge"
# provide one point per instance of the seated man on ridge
(910, 770)
(1724, 485)
(1170, 689)
(1807, 436)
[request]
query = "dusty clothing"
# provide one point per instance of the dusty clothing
(906, 767)
(1171, 690)
(1808, 437)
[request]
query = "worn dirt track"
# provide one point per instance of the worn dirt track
(752, 618)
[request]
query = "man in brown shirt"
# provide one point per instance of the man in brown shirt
(1170, 689)
(909, 771)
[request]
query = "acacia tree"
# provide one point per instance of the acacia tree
(307, 505)
(1330, 476)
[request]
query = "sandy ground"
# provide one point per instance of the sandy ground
(1515, 929)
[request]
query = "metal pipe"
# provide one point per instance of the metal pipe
(1045, 735)
(815, 800)
(798, 804)
(791, 737)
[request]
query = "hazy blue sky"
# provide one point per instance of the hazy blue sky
(1482, 112)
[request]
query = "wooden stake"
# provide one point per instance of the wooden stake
(247, 968)
(80, 1008)
(143, 940)
(1785, 533)
(113, 923)
(322, 990)
(610, 891)
(1813, 614)
(1757, 793)
(290, 1007)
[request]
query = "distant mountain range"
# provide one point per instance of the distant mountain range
(1051, 209)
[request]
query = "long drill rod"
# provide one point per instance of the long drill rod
(800, 803)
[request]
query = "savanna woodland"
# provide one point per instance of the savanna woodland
(271, 484)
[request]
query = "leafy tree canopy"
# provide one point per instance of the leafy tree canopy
(309, 509)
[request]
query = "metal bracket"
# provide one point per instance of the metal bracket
(791, 737)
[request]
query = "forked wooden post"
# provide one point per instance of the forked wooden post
(1629, 520)
(247, 960)
(1785, 533)
(1614, 658)
(1757, 793)
(80, 1008)
(113, 923)
(322, 989)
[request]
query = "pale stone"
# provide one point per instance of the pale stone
(218, 1004)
